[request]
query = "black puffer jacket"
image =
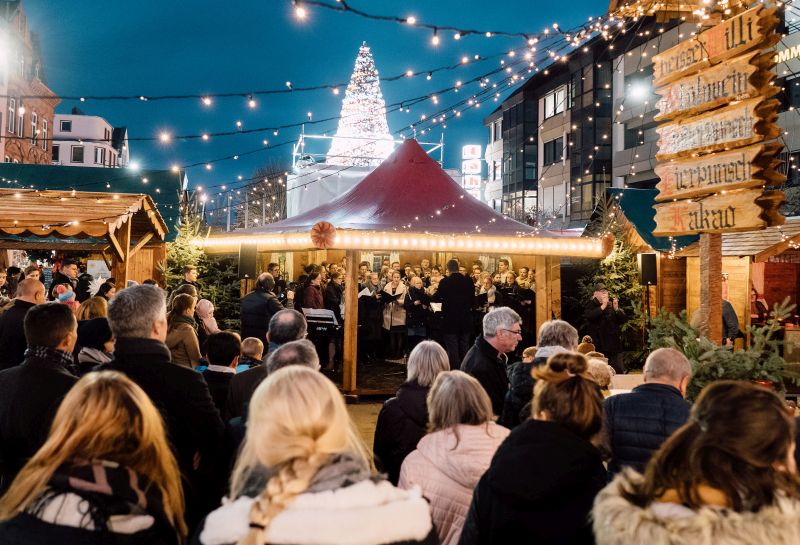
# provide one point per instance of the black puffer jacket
(257, 310)
(539, 489)
(402, 422)
(639, 422)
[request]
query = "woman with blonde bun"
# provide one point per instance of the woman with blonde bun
(105, 475)
(304, 476)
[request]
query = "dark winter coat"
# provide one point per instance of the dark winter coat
(312, 297)
(333, 297)
(402, 422)
(519, 394)
(219, 383)
(12, 334)
(257, 309)
(370, 314)
(457, 295)
(485, 364)
(539, 489)
(639, 422)
(417, 315)
(29, 397)
(605, 327)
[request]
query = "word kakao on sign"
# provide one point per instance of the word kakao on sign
(741, 210)
(744, 167)
(739, 34)
(747, 122)
(744, 77)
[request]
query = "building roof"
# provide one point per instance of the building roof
(163, 186)
(410, 199)
(761, 245)
(77, 215)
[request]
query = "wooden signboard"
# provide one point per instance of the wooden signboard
(747, 122)
(744, 77)
(740, 210)
(751, 29)
(753, 166)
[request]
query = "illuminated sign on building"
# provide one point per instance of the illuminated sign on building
(471, 169)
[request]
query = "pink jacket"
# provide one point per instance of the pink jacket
(448, 473)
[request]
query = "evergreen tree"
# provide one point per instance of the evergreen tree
(362, 138)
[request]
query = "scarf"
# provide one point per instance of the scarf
(52, 355)
(109, 489)
(339, 471)
(547, 351)
(93, 355)
(184, 320)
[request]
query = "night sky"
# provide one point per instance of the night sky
(155, 47)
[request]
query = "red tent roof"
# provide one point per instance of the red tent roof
(408, 192)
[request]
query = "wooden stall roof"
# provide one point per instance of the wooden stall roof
(761, 245)
(78, 214)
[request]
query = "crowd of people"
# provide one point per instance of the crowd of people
(141, 421)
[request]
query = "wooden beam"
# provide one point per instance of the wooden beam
(120, 269)
(711, 285)
(115, 244)
(542, 296)
(140, 244)
(160, 264)
(106, 259)
(350, 322)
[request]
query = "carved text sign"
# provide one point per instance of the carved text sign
(749, 30)
(741, 210)
(752, 166)
(747, 122)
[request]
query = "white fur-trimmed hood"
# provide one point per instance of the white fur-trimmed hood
(366, 513)
(618, 522)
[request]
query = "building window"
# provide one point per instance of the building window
(77, 154)
(34, 127)
(557, 101)
(12, 114)
(497, 130)
(99, 155)
(553, 151)
(56, 151)
(45, 134)
(21, 122)
(66, 126)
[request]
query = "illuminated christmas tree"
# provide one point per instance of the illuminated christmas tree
(362, 138)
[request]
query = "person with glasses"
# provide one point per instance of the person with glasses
(487, 359)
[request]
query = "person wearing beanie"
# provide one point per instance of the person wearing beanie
(586, 345)
(96, 342)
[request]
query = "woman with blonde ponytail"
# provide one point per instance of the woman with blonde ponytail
(304, 476)
(105, 475)
(543, 479)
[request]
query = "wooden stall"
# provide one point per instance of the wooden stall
(125, 230)
(409, 206)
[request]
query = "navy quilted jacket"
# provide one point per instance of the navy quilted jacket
(639, 422)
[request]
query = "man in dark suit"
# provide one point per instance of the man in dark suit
(138, 318)
(31, 393)
(30, 293)
(457, 295)
(285, 326)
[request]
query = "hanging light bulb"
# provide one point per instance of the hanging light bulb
(299, 10)
(251, 102)
(411, 20)
(435, 39)
(457, 36)
(164, 137)
(206, 101)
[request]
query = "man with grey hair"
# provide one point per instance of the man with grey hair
(300, 352)
(138, 319)
(554, 336)
(638, 423)
(487, 360)
(285, 326)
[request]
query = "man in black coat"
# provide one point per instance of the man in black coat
(605, 319)
(487, 360)
(30, 292)
(222, 351)
(258, 307)
(457, 294)
(31, 393)
(138, 318)
(285, 326)
(639, 422)
(68, 275)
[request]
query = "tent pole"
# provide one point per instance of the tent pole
(350, 322)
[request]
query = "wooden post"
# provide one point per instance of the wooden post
(711, 285)
(554, 286)
(121, 243)
(542, 297)
(350, 322)
(159, 264)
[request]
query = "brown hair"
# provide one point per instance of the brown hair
(180, 304)
(566, 393)
(457, 398)
(736, 440)
(93, 307)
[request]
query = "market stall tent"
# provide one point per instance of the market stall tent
(410, 202)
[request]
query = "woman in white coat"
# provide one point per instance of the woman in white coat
(449, 461)
(394, 315)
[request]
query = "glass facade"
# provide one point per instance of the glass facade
(520, 158)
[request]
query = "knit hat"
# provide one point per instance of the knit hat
(585, 348)
(94, 333)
